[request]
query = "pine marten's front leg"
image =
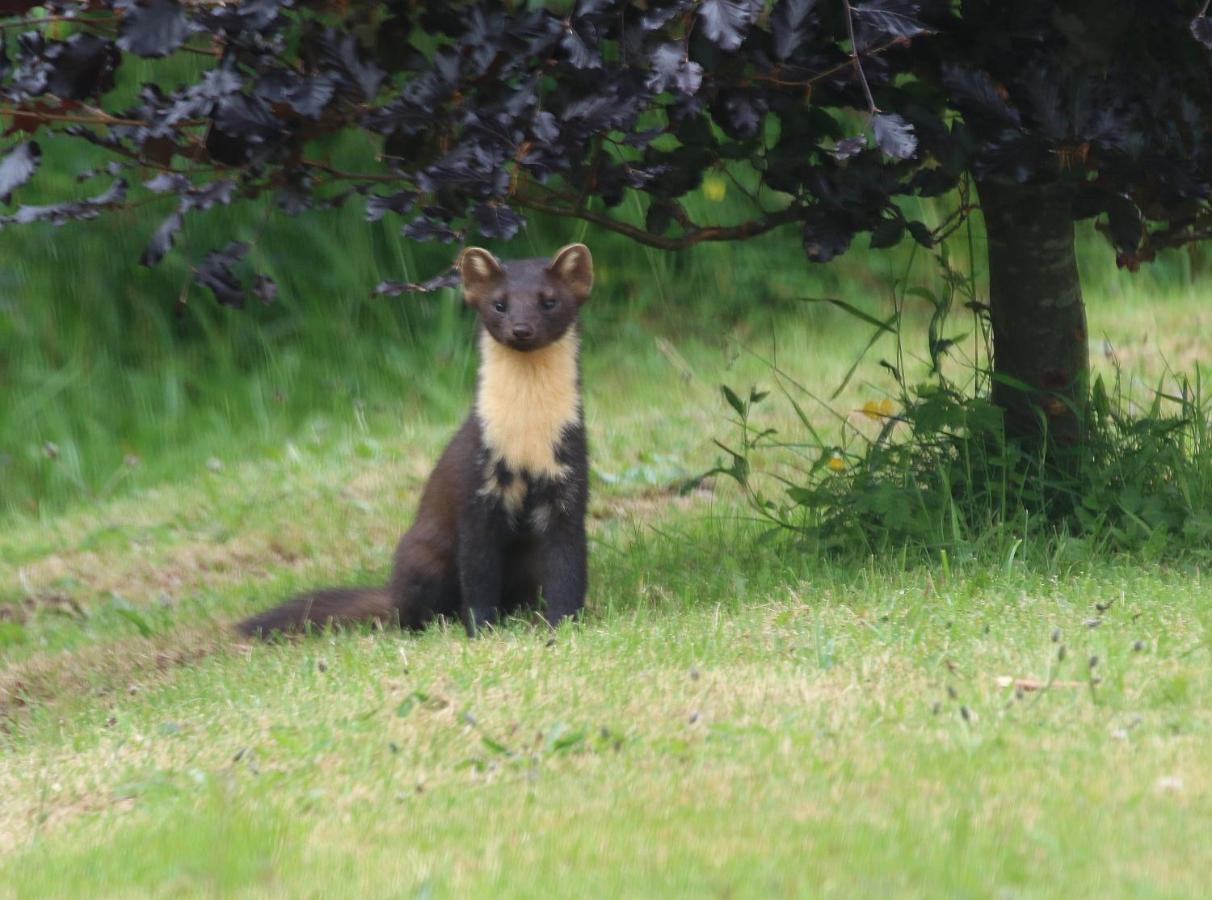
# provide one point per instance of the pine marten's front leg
(563, 564)
(481, 567)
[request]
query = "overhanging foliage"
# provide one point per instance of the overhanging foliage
(477, 111)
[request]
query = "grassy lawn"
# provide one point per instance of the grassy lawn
(733, 718)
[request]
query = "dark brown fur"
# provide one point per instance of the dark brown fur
(491, 535)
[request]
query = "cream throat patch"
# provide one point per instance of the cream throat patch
(525, 401)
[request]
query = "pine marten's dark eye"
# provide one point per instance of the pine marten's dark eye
(498, 305)
(548, 303)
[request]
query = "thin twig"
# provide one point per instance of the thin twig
(696, 235)
(832, 70)
(854, 53)
(45, 116)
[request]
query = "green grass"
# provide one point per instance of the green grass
(733, 718)
(118, 378)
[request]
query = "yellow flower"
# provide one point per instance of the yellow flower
(835, 462)
(878, 409)
(714, 188)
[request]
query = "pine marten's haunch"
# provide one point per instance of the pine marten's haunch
(501, 522)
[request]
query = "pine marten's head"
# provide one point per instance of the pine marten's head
(527, 304)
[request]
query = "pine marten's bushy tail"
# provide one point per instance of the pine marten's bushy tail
(322, 608)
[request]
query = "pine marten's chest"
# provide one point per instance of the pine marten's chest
(527, 405)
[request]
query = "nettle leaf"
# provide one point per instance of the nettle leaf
(215, 274)
(153, 28)
(19, 167)
(879, 20)
(1201, 27)
(671, 70)
(787, 25)
(894, 135)
(726, 21)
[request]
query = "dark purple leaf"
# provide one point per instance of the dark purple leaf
(887, 233)
(976, 95)
(671, 70)
(826, 234)
(659, 15)
(307, 95)
(76, 210)
(848, 147)
(247, 119)
(339, 51)
(725, 22)
(265, 288)
(447, 279)
(638, 176)
(215, 274)
(496, 220)
(162, 240)
(426, 228)
(207, 195)
(659, 217)
(921, 233)
(545, 128)
(1201, 27)
(894, 135)
(80, 67)
(579, 52)
(1125, 223)
(742, 113)
(153, 28)
(167, 183)
(18, 167)
(377, 205)
(294, 197)
(878, 20)
(787, 25)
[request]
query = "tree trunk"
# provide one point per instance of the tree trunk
(1041, 356)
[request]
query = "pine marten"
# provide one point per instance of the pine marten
(502, 517)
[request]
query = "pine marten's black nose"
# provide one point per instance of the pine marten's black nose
(522, 331)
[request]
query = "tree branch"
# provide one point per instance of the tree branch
(696, 235)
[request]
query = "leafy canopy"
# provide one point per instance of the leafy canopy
(477, 111)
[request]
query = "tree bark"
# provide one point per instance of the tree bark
(1041, 358)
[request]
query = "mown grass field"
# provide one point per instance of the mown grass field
(733, 718)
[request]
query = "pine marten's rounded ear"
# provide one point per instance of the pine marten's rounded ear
(574, 266)
(479, 271)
